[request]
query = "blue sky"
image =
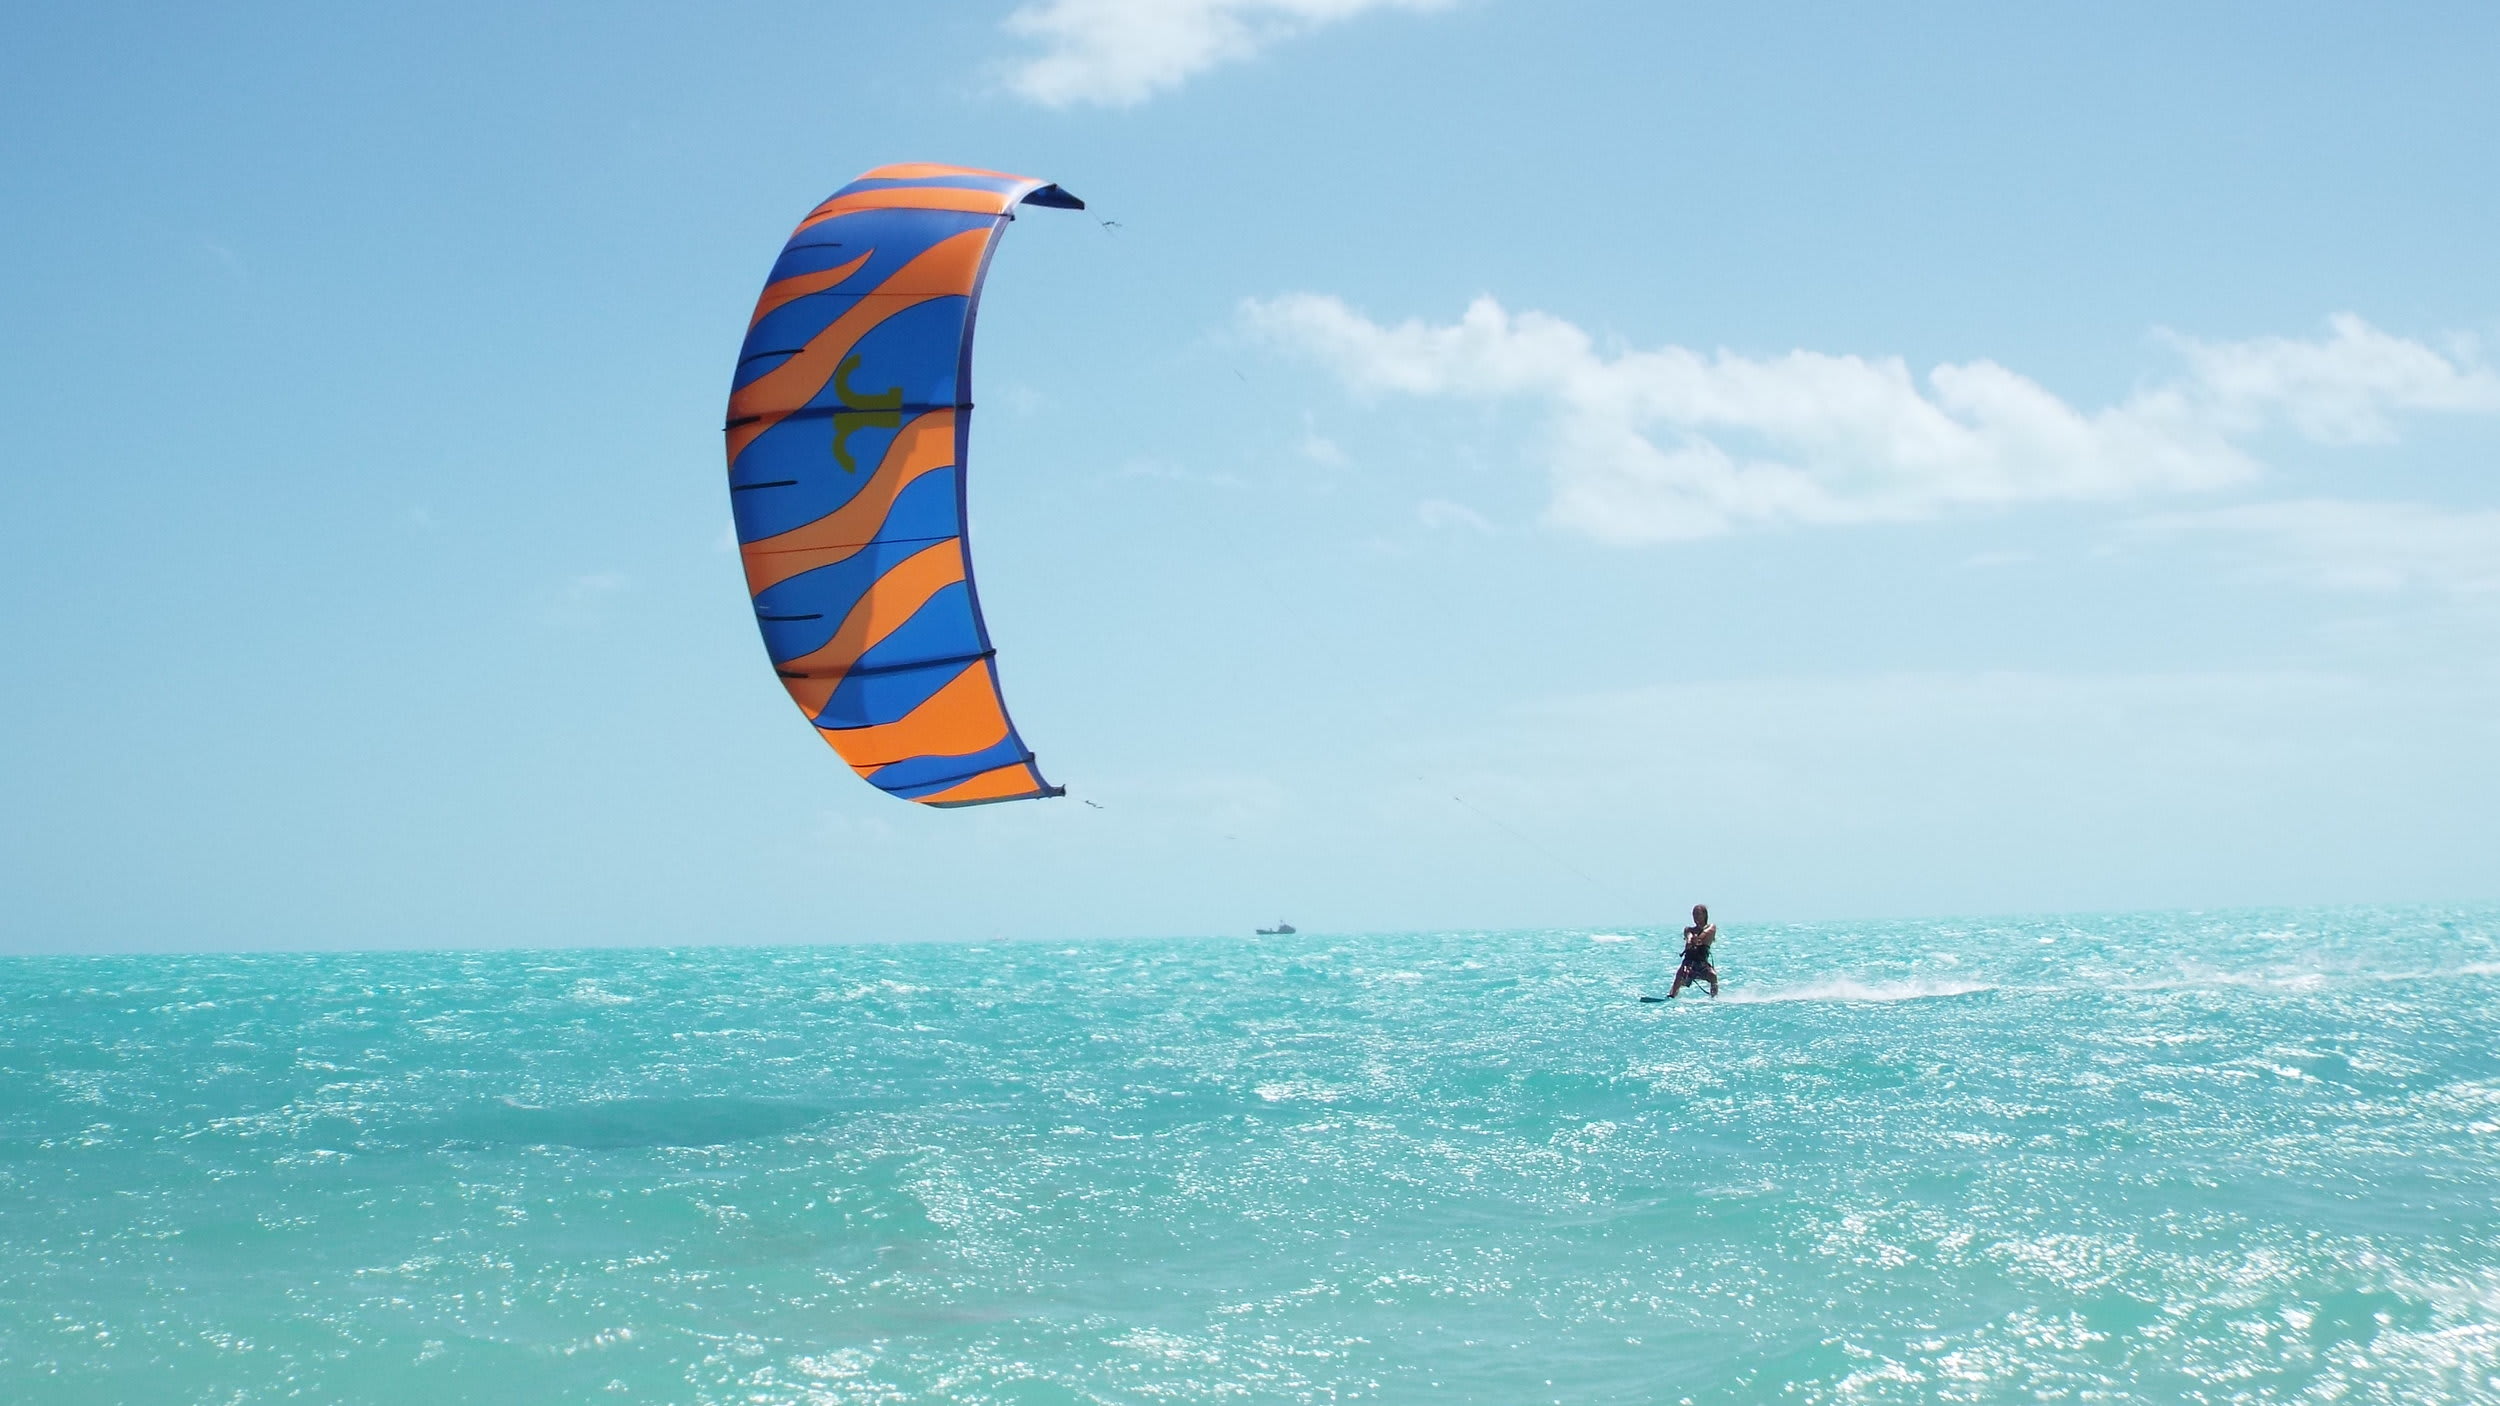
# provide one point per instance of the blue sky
(1825, 462)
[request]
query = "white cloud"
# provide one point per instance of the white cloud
(1648, 446)
(1120, 52)
(2340, 390)
(2380, 547)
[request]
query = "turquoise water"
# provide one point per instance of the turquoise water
(2202, 1158)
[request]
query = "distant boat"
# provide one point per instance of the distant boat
(1282, 929)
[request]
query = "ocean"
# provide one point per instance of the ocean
(2206, 1157)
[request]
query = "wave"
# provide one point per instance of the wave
(2300, 982)
(1846, 989)
(1612, 937)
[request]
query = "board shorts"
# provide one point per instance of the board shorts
(1697, 969)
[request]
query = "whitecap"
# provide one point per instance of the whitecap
(1291, 1090)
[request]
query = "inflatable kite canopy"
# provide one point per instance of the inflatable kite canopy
(848, 420)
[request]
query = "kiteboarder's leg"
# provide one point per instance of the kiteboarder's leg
(1683, 974)
(1711, 974)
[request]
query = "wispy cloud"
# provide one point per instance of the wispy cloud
(1440, 513)
(1163, 470)
(1673, 443)
(2355, 546)
(1117, 53)
(582, 600)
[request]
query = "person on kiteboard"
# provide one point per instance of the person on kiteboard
(1696, 964)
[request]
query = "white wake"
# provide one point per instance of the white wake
(1846, 989)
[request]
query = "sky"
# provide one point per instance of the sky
(1474, 464)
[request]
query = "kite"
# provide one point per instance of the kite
(848, 422)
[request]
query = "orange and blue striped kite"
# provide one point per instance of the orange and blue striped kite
(848, 420)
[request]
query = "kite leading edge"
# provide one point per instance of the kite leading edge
(848, 421)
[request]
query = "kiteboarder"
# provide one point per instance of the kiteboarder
(1696, 964)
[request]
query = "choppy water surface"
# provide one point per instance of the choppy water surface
(2216, 1158)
